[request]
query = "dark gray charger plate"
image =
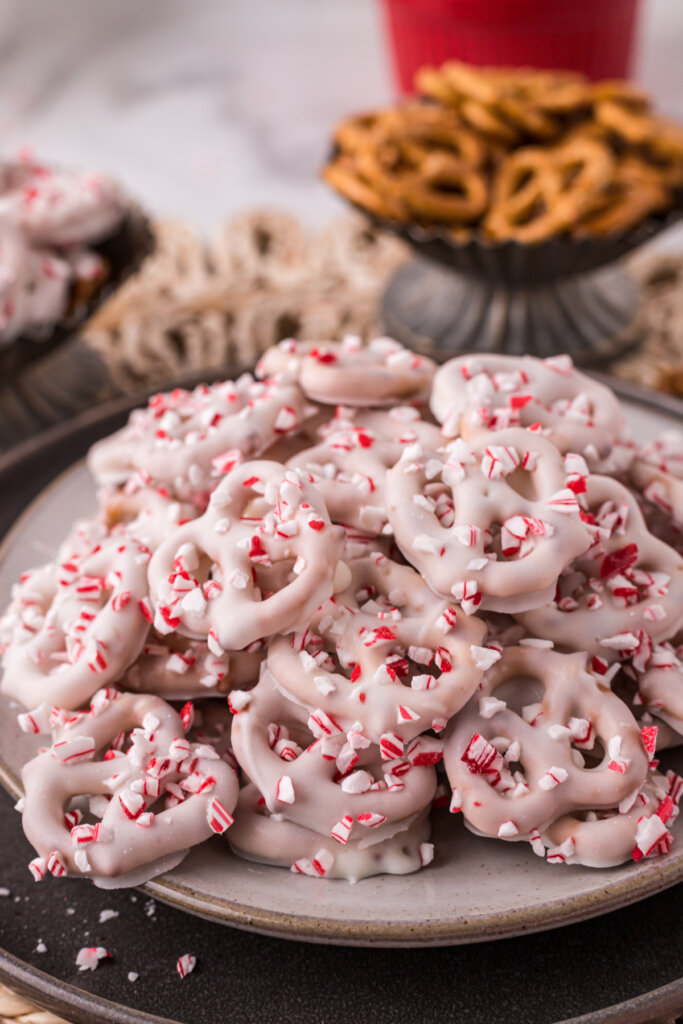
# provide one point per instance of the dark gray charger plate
(623, 968)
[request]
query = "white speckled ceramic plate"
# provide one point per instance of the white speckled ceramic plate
(476, 889)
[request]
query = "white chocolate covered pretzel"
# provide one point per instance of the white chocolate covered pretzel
(261, 836)
(149, 514)
(516, 756)
(75, 625)
(473, 395)
(660, 688)
(176, 668)
(658, 473)
(221, 576)
(625, 591)
(380, 373)
(292, 757)
(155, 793)
(349, 465)
(387, 653)
(493, 525)
(603, 839)
(187, 440)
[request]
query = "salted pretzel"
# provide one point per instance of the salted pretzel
(176, 668)
(603, 839)
(622, 91)
(538, 192)
(525, 186)
(556, 92)
(349, 465)
(445, 191)
(293, 759)
(155, 793)
(419, 128)
(387, 653)
(186, 440)
(381, 373)
(663, 153)
(430, 186)
(261, 836)
(75, 625)
(523, 752)
(626, 590)
(634, 192)
(344, 177)
(221, 576)
(493, 524)
(630, 123)
(472, 395)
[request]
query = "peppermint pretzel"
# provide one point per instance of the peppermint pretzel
(625, 684)
(176, 668)
(146, 513)
(638, 828)
(221, 576)
(625, 591)
(296, 761)
(34, 290)
(349, 466)
(149, 803)
(658, 474)
(493, 524)
(185, 440)
(380, 373)
(386, 653)
(472, 395)
(60, 206)
(269, 839)
(660, 687)
(74, 626)
(516, 756)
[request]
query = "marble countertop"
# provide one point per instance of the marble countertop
(206, 108)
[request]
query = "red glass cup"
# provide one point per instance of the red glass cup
(596, 37)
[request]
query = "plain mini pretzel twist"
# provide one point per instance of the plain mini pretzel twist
(350, 464)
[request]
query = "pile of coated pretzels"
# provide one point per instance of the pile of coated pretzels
(417, 588)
